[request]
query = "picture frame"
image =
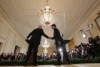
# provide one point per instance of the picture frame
(97, 21)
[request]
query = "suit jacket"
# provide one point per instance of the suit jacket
(36, 35)
(57, 36)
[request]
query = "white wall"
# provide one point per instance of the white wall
(10, 38)
(89, 19)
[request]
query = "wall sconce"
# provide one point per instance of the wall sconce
(81, 31)
(90, 26)
(83, 34)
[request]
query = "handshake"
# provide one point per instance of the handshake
(50, 38)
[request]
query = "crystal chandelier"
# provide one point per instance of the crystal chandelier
(47, 15)
(45, 45)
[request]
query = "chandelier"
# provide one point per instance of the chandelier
(45, 45)
(47, 15)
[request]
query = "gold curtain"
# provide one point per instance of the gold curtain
(71, 44)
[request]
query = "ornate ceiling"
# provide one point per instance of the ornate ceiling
(21, 14)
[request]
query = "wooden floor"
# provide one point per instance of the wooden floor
(72, 65)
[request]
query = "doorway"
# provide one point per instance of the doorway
(16, 50)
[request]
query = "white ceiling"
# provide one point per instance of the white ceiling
(21, 14)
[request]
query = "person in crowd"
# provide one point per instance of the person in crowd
(53, 56)
(88, 50)
(97, 46)
(92, 41)
(2, 56)
(12, 57)
(34, 39)
(59, 42)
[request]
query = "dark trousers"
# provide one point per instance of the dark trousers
(33, 47)
(58, 55)
(65, 54)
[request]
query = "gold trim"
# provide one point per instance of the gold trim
(96, 21)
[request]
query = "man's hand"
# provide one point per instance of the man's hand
(50, 37)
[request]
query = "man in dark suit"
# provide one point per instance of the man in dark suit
(59, 42)
(34, 39)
